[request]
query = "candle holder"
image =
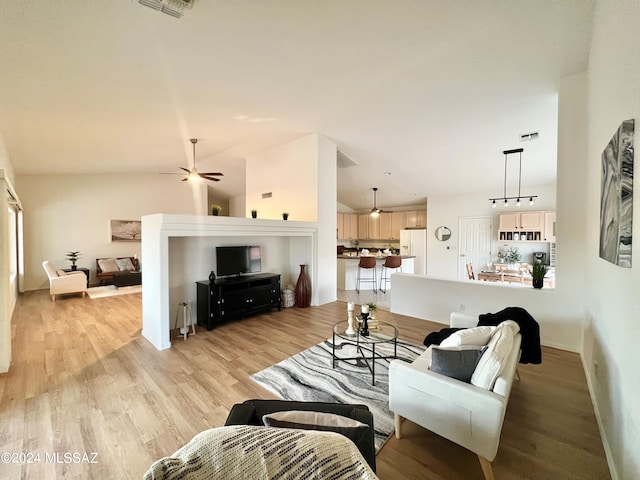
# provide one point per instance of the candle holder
(350, 330)
(364, 327)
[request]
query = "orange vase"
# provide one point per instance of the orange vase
(303, 288)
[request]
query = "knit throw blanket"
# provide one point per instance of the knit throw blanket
(263, 453)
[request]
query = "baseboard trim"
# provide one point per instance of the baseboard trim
(4, 367)
(605, 442)
(560, 346)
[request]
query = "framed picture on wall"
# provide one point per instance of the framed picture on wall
(616, 196)
(126, 230)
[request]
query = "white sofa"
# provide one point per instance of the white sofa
(64, 282)
(464, 413)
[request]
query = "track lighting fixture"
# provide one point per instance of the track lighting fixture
(505, 198)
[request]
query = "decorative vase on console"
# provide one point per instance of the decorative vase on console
(212, 276)
(303, 288)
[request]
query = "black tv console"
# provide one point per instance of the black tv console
(236, 297)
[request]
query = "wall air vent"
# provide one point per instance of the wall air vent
(525, 137)
(267, 195)
(175, 8)
(344, 161)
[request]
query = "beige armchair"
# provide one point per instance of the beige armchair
(63, 282)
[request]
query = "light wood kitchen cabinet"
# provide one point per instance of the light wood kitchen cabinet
(532, 220)
(398, 222)
(386, 226)
(374, 227)
(550, 227)
(523, 226)
(416, 219)
(340, 226)
(368, 227)
(522, 221)
(509, 221)
(350, 226)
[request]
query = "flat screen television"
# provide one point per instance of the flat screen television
(238, 260)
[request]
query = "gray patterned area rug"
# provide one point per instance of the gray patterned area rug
(309, 376)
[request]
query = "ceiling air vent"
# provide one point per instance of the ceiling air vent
(344, 161)
(525, 137)
(175, 8)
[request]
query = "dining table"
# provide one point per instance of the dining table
(508, 273)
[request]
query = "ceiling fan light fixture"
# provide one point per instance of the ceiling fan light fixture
(375, 211)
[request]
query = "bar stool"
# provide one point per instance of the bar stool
(394, 262)
(367, 263)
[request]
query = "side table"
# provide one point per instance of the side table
(366, 345)
(86, 271)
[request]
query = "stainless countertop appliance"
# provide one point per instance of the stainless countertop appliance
(540, 257)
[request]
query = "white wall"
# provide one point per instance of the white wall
(446, 210)
(5, 162)
(434, 299)
(238, 206)
(302, 177)
(560, 312)
(192, 258)
(72, 212)
(327, 222)
(174, 262)
(290, 173)
(6, 296)
(611, 336)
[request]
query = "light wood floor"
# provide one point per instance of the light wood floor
(84, 380)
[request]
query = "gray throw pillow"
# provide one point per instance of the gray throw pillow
(308, 420)
(456, 363)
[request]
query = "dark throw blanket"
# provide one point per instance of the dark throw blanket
(434, 338)
(529, 329)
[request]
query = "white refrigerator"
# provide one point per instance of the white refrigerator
(414, 242)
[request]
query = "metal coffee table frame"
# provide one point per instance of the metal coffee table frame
(385, 333)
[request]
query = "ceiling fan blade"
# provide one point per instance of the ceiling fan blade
(185, 169)
(185, 179)
(212, 173)
(210, 178)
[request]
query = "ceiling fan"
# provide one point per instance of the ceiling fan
(375, 211)
(193, 174)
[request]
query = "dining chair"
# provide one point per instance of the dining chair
(470, 273)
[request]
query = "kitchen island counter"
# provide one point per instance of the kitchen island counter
(348, 271)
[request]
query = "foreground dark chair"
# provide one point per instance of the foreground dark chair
(251, 411)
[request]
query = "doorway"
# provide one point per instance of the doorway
(474, 244)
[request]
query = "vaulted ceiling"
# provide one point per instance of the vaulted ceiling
(428, 91)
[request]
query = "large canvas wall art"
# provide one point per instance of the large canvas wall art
(616, 197)
(126, 230)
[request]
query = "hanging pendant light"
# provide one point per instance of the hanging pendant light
(375, 211)
(505, 198)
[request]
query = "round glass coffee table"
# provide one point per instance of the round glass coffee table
(382, 332)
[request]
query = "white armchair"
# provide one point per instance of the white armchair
(464, 413)
(62, 282)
